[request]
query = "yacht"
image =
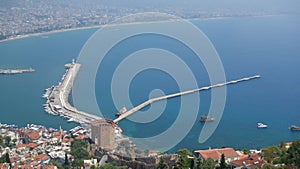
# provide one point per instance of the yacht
(261, 125)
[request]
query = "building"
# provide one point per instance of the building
(215, 154)
(250, 161)
(103, 134)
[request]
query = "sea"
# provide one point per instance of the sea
(266, 45)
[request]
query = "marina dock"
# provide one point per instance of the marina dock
(58, 104)
(57, 98)
(146, 103)
(15, 71)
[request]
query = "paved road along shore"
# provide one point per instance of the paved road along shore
(59, 99)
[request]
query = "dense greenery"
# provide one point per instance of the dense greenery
(79, 151)
(112, 165)
(208, 164)
(277, 157)
(162, 164)
(280, 156)
(293, 154)
(5, 158)
(183, 161)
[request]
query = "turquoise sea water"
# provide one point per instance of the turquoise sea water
(256, 45)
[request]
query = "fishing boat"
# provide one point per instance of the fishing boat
(206, 118)
(294, 128)
(122, 111)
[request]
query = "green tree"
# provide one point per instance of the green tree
(7, 158)
(66, 159)
(183, 160)
(223, 164)
(2, 159)
(78, 150)
(14, 141)
(7, 140)
(112, 165)
(272, 153)
(208, 164)
(269, 166)
(56, 163)
(162, 164)
(198, 163)
(1, 140)
(293, 153)
(180, 163)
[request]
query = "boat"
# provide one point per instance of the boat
(261, 125)
(71, 120)
(122, 111)
(205, 118)
(294, 128)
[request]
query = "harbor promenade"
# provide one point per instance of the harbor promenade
(58, 98)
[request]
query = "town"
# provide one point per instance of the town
(19, 18)
(35, 146)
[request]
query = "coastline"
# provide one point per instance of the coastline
(200, 21)
(123, 24)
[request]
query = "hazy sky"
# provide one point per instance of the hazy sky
(292, 5)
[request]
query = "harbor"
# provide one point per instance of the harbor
(15, 71)
(57, 98)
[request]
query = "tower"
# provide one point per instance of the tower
(103, 134)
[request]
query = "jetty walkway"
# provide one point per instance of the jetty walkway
(146, 103)
(58, 98)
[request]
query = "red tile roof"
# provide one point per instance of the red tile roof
(4, 165)
(253, 161)
(26, 155)
(228, 152)
(41, 157)
(58, 133)
(65, 140)
(32, 145)
(20, 145)
(15, 159)
(33, 135)
(216, 154)
(50, 167)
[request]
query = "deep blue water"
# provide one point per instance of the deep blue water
(268, 46)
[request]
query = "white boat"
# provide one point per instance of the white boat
(71, 120)
(261, 125)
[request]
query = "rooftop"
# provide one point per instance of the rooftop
(216, 154)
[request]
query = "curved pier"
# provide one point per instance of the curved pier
(146, 103)
(58, 99)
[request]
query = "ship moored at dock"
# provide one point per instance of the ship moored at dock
(58, 98)
(15, 71)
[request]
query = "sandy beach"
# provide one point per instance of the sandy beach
(116, 24)
(101, 26)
